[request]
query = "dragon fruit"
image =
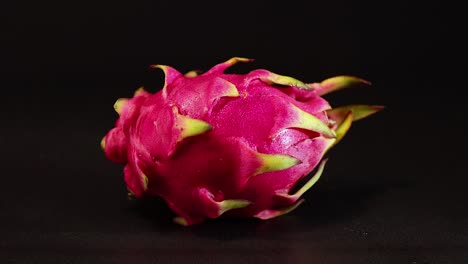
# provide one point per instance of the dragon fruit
(218, 144)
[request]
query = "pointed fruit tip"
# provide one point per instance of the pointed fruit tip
(145, 182)
(228, 205)
(310, 122)
(344, 80)
(232, 91)
(359, 111)
(338, 83)
(275, 162)
(120, 104)
(273, 78)
(158, 66)
(366, 82)
(378, 108)
(103, 143)
(235, 60)
(191, 127)
(269, 214)
(372, 109)
(180, 220)
(311, 182)
(192, 74)
(226, 64)
(343, 127)
(139, 91)
(169, 72)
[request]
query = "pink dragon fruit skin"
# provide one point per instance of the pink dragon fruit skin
(227, 144)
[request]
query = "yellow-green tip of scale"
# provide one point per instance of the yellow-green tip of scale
(310, 122)
(120, 104)
(192, 127)
(227, 205)
(274, 78)
(275, 162)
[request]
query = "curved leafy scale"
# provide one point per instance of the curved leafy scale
(190, 127)
(220, 68)
(310, 122)
(338, 114)
(336, 83)
(308, 184)
(343, 127)
(180, 220)
(140, 91)
(271, 213)
(273, 78)
(193, 73)
(170, 75)
(120, 104)
(103, 143)
(275, 162)
(228, 205)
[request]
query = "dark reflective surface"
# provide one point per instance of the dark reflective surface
(393, 190)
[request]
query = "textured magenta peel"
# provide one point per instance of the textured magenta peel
(217, 144)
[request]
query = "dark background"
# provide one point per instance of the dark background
(394, 188)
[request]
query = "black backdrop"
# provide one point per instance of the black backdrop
(393, 191)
